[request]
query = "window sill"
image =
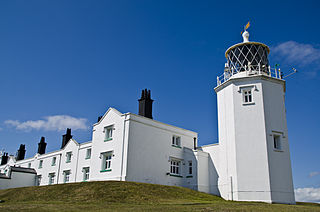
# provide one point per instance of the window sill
(53, 164)
(68, 161)
(189, 176)
(106, 170)
(108, 139)
(176, 146)
(248, 103)
(88, 158)
(277, 150)
(175, 175)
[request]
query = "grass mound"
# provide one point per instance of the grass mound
(127, 196)
(106, 191)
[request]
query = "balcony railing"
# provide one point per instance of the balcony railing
(250, 70)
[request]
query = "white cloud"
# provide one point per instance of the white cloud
(312, 174)
(307, 194)
(297, 53)
(50, 123)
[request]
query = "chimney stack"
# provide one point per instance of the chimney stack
(4, 159)
(145, 104)
(21, 152)
(66, 138)
(42, 146)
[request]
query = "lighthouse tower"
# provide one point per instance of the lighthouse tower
(254, 157)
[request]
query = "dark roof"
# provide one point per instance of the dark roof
(21, 169)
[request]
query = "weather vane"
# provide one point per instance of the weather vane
(245, 27)
(245, 33)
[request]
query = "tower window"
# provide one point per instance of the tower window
(247, 96)
(276, 142)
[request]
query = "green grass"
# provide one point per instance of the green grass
(127, 196)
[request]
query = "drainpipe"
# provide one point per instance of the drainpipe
(75, 178)
(59, 168)
(123, 141)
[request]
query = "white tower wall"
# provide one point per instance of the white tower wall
(250, 169)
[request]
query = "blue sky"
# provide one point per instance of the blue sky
(63, 63)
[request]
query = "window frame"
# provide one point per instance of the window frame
(68, 157)
(88, 153)
(277, 143)
(39, 178)
(106, 161)
(86, 174)
(51, 178)
(176, 141)
(54, 161)
(247, 96)
(175, 167)
(40, 164)
(66, 176)
(108, 133)
(190, 168)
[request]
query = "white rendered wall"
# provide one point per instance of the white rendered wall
(83, 162)
(244, 170)
(18, 179)
(279, 161)
(99, 145)
(213, 167)
(150, 149)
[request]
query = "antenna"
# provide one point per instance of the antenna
(292, 72)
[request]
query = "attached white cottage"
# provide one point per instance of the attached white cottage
(251, 162)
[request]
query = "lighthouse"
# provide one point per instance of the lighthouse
(253, 161)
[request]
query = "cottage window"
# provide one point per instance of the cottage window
(68, 157)
(175, 167)
(176, 141)
(29, 165)
(88, 154)
(66, 177)
(54, 160)
(190, 167)
(40, 164)
(86, 171)
(38, 180)
(51, 178)
(106, 161)
(108, 133)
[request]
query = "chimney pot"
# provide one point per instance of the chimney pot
(42, 146)
(145, 104)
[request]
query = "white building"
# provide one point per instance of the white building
(251, 162)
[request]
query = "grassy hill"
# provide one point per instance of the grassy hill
(127, 196)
